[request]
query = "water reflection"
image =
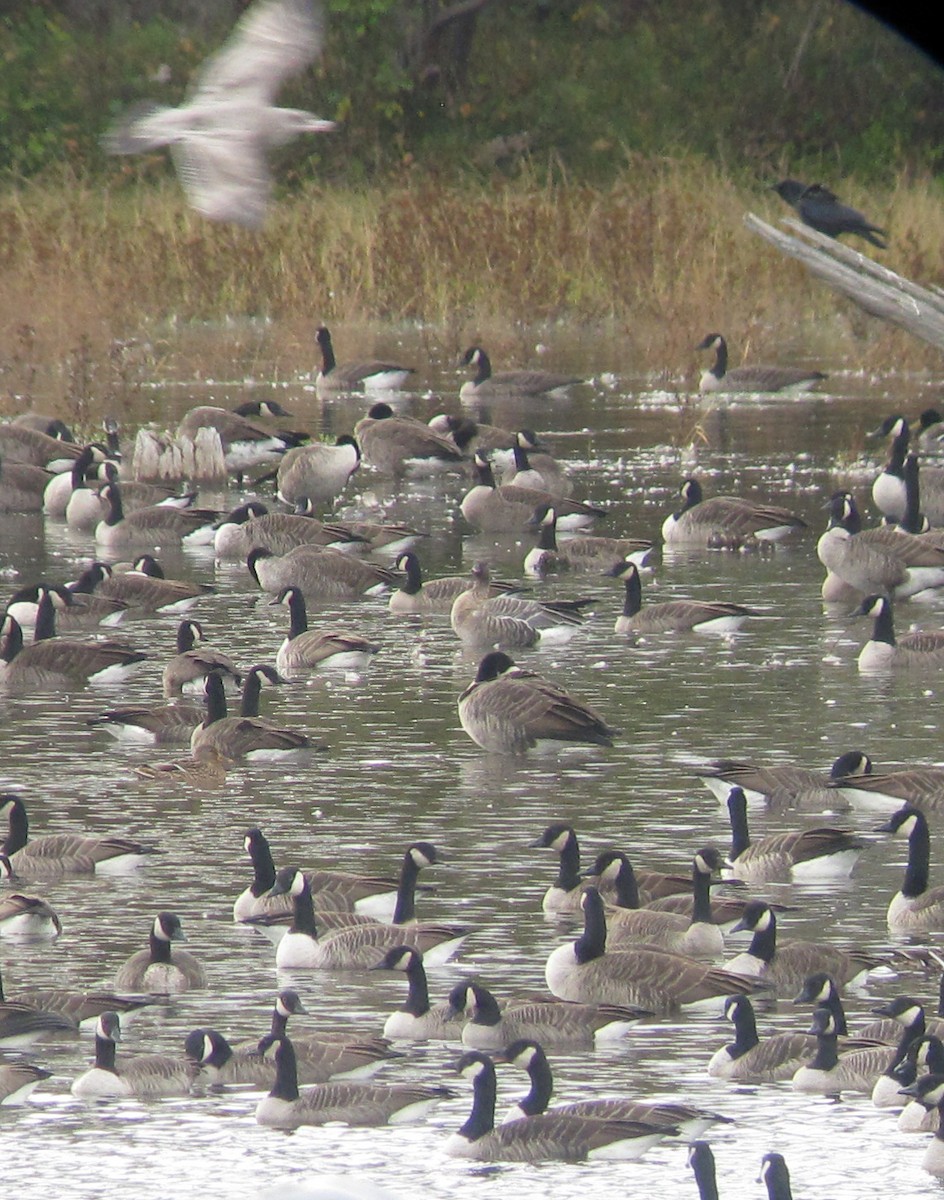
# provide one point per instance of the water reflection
(400, 768)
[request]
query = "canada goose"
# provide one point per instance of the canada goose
(86, 508)
(930, 432)
(363, 945)
(372, 895)
(748, 1059)
(250, 525)
(59, 852)
(354, 1103)
(673, 616)
(28, 917)
(45, 423)
(487, 385)
(150, 528)
(702, 1161)
(319, 472)
(531, 469)
(418, 596)
(922, 786)
(58, 491)
(245, 737)
(782, 784)
(774, 1173)
(916, 907)
(30, 447)
(22, 486)
(50, 661)
(219, 135)
(882, 560)
(492, 508)
(929, 1092)
(374, 375)
(162, 725)
(319, 573)
(510, 710)
(620, 885)
(22, 1024)
(399, 445)
(753, 378)
(726, 522)
(821, 210)
(140, 589)
(304, 650)
(76, 1009)
(563, 896)
(148, 1077)
(208, 773)
(563, 1024)
(73, 610)
(781, 857)
(417, 1020)
(18, 1079)
(156, 969)
(482, 620)
(786, 965)
(675, 1119)
(577, 553)
(928, 1056)
(585, 970)
(920, 650)
(828, 1072)
(696, 935)
(547, 1137)
(194, 661)
(890, 488)
(245, 442)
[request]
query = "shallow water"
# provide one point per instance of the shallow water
(399, 767)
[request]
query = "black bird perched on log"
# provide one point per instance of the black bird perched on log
(822, 211)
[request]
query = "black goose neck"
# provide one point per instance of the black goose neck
(116, 511)
(764, 942)
(486, 1011)
(105, 1054)
(701, 897)
(745, 1030)
(252, 690)
(911, 521)
(827, 1052)
(626, 885)
(413, 583)
(703, 1168)
(215, 698)
(298, 614)
(547, 535)
(12, 639)
(417, 996)
(17, 827)
(919, 858)
(737, 812)
(482, 1117)
(592, 942)
(328, 361)
(159, 947)
(45, 618)
(542, 1086)
(568, 871)
(884, 628)
(285, 1086)
(303, 912)
(632, 597)
(898, 452)
(405, 909)
(484, 367)
(263, 865)
(720, 368)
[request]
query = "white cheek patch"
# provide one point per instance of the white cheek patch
(906, 828)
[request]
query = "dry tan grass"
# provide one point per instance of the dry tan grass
(660, 255)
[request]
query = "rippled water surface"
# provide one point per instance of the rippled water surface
(398, 767)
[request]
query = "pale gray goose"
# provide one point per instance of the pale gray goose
(374, 895)
(371, 375)
(522, 382)
(22, 486)
(673, 616)
(727, 522)
(147, 1077)
(418, 596)
(18, 1080)
(50, 661)
(547, 1137)
(492, 508)
(31, 447)
(149, 528)
(246, 443)
(563, 1024)
(286, 1107)
(398, 445)
(578, 552)
(319, 573)
(246, 736)
(159, 970)
(782, 783)
(510, 710)
(306, 650)
(417, 1020)
(55, 853)
(143, 589)
(194, 661)
(319, 472)
(676, 1119)
(585, 970)
(717, 378)
(785, 965)
(916, 907)
(220, 134)
(748, 1059)
(921, 650)
(363, 944)
(822, 852)
(79, 1009)
(482, 620)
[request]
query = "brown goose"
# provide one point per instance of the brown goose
(920, 650)
(398, 445)
(157, 969)
(585, 970)
(673, 616)
(246, 442)
(306, 650)
(194, 661)
(748, 1059)
(27, 917)
(80, 1009)
(718, 378)
(782, 783)
(144, 589)
(372, 375)
(727, 522)
(510, 710)
(507, 508)
(147, 528)
(22, 486)
(486, 384)
(578, 552)
(31, 447)
(319, 472)
(482, 620)
(319, 573)
(416, 595)
(245, 737)
(18, 1080)
(251, 525)
(921, 786)
(147, 1077)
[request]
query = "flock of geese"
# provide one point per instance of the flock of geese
(650, 945)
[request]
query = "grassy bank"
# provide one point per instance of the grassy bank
(660, 253)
